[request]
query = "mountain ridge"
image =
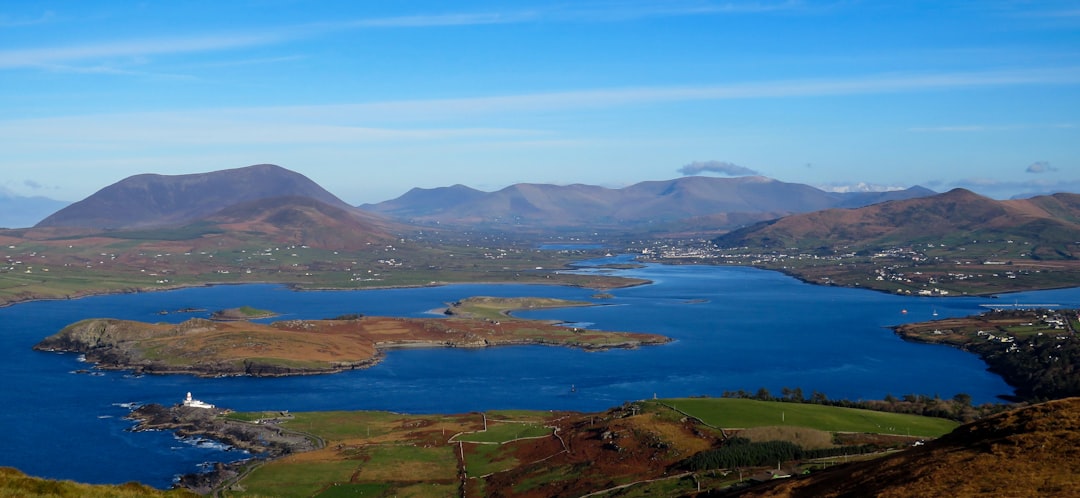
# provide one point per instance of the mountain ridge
(640, 204)
(958, 213)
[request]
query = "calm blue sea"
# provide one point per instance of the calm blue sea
(735, 328)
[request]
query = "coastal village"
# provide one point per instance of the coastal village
(929, 270)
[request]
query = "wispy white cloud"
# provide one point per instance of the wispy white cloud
(609, 97)
(720, 167)
(985, 128)
(1009, 188)
(859, 187)
(86, 51)
(1040, 167)
(14, 22)
(368, 121)
(424, 21)
(620, 11)
(210, 129)
(47, 56)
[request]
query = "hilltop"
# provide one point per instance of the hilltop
(149, 200)
(1053, 222)
(953, 243)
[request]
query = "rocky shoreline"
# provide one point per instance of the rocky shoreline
(263, 440)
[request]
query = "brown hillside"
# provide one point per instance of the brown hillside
(304, 221)
(959, 212)
(1029, 452)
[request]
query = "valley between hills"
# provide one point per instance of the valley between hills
(267, 224)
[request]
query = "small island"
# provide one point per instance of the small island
(241, 313)
(298, 347)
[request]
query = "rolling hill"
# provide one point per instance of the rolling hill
(149, 200)
(1052, 223)
(724, 201)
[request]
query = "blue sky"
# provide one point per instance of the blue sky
(371, 98)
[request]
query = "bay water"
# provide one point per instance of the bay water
(733, 328)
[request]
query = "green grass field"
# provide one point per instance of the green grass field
(484, 459)
(407, 463)
(502, 432)
(279, 478)
(745, 413)
(334, 426)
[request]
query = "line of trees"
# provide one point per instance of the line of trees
(741, 452)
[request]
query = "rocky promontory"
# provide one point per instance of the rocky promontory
(265, 439)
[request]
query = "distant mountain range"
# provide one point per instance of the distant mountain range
(721, 203)
(266, 196)
(19, 212)
(959, 214)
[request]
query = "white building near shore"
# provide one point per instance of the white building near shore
(194, 403)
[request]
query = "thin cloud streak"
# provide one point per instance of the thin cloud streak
(105, 132)
(10, 22)
(35, 57)
(648, 95)
(346, 116)
(39, 57)
(983, 128)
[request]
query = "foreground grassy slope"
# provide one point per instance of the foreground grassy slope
(16, 484)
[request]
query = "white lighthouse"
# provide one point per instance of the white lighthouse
(194, 403)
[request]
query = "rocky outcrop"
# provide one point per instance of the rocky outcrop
(263, 440)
